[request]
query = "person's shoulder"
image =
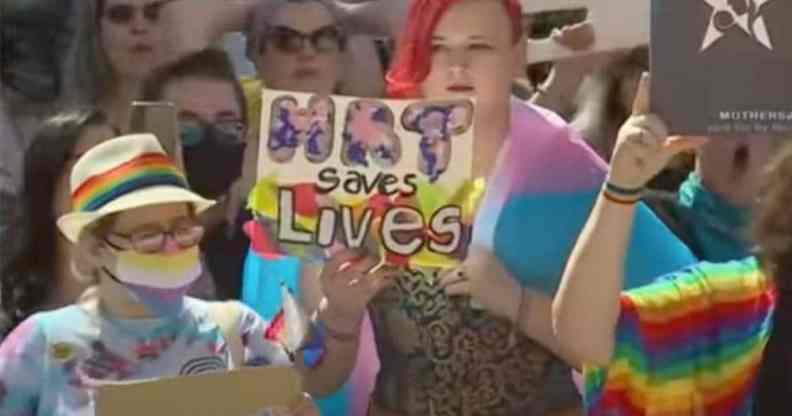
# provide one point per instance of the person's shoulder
(524, 112)
(47, 324)
(738, 274)
(744, 278)
(540, 126)
(58, 317)
(217, 310)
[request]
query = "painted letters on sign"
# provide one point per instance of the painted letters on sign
(367, 161)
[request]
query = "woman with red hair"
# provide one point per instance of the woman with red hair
(443, 357)
(439, 356)
(492, 351)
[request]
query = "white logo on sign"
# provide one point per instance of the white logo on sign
(745, 14)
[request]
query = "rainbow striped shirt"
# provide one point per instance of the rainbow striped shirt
(689, 344)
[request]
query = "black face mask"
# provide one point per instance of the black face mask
(213, 156)
(35, 36)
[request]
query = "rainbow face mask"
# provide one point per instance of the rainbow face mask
(158, 281)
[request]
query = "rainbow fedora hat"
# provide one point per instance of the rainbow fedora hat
(121, 174)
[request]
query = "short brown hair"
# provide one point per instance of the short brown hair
(209, 63)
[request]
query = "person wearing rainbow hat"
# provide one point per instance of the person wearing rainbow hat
(134, 223)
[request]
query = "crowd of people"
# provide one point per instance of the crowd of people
(613, 269)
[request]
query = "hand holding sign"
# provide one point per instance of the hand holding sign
(484, 278)
(643, 147)
(350, 279)
(625, 27)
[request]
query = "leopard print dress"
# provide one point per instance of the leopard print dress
(439, 357)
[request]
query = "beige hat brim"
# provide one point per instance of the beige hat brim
(73, 224)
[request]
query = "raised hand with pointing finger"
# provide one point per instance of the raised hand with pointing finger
(586, 307)
(643, 147)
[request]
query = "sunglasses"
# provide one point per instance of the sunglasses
(287, 40)
(122, 14)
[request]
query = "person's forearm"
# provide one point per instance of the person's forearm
(340, 356)
(558, 91)
(235, 17)
(535, 321)
(586, 307)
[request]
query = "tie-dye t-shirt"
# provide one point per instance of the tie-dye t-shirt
(51, 362)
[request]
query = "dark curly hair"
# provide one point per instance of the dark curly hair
(28, 275)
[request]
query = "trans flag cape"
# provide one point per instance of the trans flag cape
(540, 197)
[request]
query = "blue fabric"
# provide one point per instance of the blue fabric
(261, 290)
(719, 230)
(535, 234)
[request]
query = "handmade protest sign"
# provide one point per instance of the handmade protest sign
(391, 175)
(721, 67)
(244, 392)
(617, 25)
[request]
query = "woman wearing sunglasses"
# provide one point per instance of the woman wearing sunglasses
(297, 45)
(134, 221)
(128, 46)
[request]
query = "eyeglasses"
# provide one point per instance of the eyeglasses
(287, 40)
(186, 234)
(122, 14)
(195, 131)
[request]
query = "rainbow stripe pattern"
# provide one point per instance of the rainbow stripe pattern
(144, 171)
(689, 344)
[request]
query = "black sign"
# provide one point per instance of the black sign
(723, 67)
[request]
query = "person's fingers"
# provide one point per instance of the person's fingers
(642, 137)
(451, 277)
(462, 288)
(656, 126)
(642, 96)
(376, 282)
(342, 260)
(679, 144)
(363, 265)
(576, 37)
(305, 407)
(364, 269)
(555, 35)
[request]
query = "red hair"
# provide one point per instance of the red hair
(414, 51)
